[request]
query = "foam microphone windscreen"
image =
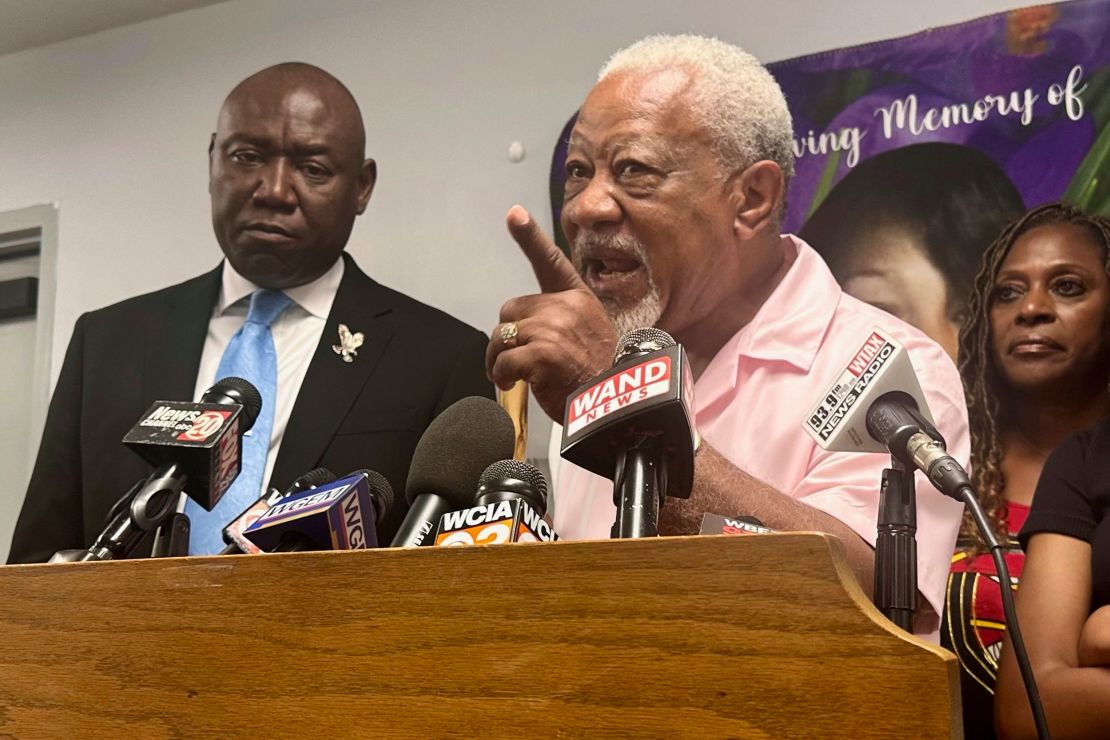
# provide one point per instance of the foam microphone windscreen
(457, 446)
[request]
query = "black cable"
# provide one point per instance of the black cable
(1012, 627)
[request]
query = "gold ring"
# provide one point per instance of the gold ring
(508, 333)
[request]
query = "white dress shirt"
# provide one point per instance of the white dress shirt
(296, 334)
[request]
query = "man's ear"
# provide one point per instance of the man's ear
(757, 195)
(367, 177)
(211, 149)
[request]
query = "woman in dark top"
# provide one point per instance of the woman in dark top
(1035, 360)
(1064, 600)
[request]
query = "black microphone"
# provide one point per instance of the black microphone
(456, 447)
(895, 420)
(196, 443)
(635, 425)
(512, 480)
(341, 515)
(204, 440)
(237, 544)
(876, 405)
(509, 506)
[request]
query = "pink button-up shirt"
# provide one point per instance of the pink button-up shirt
(752, 398)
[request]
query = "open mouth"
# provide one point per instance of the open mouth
(611, 266)
(612, 272)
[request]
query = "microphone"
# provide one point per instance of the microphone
(509, 506)
(233, 533)
(512, 480)
(448, 460)
(155, 500)
(199, 443)
(341, 515)
(895, 419)
(204, 440)
(634, 424)
(877, 405)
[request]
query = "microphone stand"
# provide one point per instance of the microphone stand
(638, 489)
(896, 546)
(147, 510)
(171, 540)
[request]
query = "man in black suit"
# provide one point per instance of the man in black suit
(287, 178)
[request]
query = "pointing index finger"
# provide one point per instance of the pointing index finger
(553, 270)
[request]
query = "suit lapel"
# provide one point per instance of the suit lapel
(331, 385)
(175, 338)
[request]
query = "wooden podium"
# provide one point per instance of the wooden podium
(756, 637)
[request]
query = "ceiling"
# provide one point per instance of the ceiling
(28, 23)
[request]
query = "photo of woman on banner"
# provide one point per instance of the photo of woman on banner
(1035, 362)
(905, 231)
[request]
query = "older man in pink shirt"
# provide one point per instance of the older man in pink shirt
(749, 405)
(677, 170)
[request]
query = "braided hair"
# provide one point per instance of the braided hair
(982, 383)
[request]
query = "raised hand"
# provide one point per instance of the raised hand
(556, 339)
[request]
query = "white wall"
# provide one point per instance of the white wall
(114, 126)
(17, 355)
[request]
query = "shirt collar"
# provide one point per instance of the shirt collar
(791, 324)
(789, 327)
(315, 297)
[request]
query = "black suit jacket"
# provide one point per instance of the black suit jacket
(414, 362)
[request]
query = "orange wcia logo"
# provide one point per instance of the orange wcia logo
(493, 524)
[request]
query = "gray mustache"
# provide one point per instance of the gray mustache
(587, 245)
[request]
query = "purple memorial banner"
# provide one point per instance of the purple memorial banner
(1027, 88)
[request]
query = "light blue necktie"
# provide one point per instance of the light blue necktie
(250, 354)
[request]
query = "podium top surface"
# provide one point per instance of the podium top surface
(763, 636)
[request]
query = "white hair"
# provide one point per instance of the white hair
(734, 97)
